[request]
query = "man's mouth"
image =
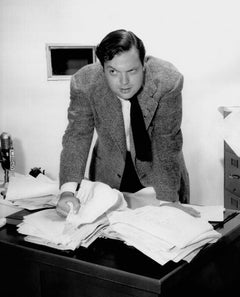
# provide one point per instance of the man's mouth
(125, 90)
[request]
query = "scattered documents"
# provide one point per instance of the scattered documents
(147, 196)
(31, 192)
(96, 198)
(143, 197)
(34, 203)
(26, 186)
(163, 233)
(48, 228)
(7, 208)
(211, 213)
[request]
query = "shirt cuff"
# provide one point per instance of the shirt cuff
(69, 187)
(161, 202)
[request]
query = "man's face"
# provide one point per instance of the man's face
(124, 73)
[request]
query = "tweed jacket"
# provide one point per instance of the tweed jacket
(94, 106)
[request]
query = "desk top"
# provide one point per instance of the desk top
(111, 259)
(105, 258)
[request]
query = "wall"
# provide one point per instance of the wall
(200, 37)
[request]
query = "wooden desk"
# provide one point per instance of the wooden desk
(109, 268)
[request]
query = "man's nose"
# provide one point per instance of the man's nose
(124, 79)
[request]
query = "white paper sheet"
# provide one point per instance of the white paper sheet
(6, 208)
(26, 186)
(168, 223)
(147, 196)
(213, 213)
(96, 198)
(48, 228)
(162, 233)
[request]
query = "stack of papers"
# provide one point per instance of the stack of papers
(163, 233)
(31, 192)
(46, 227)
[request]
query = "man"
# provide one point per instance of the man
(104, 96)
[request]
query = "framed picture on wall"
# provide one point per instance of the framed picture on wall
(63, 60)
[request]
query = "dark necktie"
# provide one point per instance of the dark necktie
(140, 136)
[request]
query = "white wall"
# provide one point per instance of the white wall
(200, 37)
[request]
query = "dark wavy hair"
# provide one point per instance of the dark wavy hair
(117, 42)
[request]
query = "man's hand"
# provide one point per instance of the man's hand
(188, 209)
(63, 206)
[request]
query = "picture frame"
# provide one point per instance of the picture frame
(63, 60)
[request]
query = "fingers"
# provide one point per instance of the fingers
(193, 212)
(67, 204)
(190, 210)
(74, 206)
(62, 212)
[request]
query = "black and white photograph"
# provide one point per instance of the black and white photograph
(119, 148)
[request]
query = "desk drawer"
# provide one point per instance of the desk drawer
(232, 173)
(231, 201)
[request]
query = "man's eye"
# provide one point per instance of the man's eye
(112, 71)
(132, 70)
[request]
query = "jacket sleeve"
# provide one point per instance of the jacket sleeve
(77, 138)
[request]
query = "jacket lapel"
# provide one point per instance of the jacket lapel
(147, 100)
(110, 109)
